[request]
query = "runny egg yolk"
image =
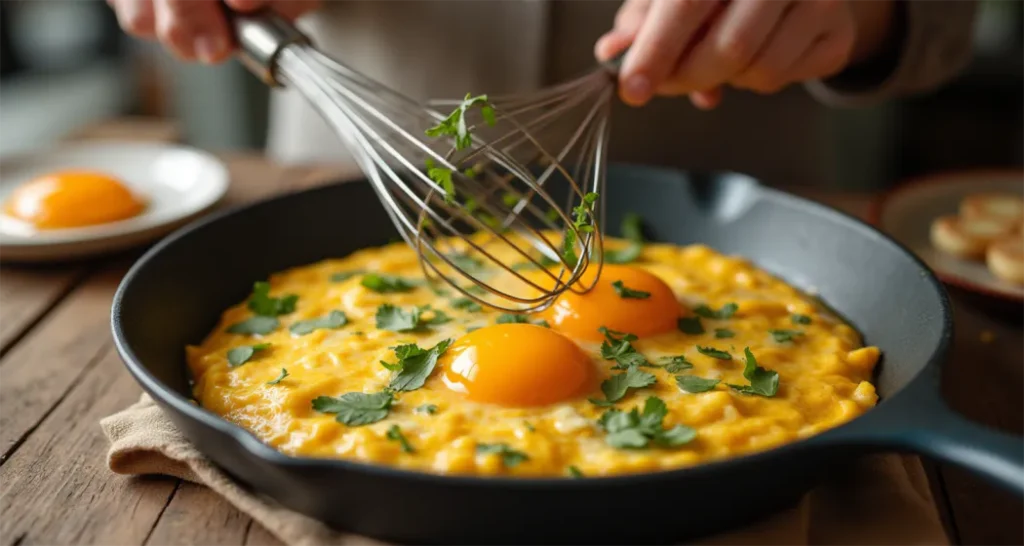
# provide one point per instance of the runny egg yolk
(72, 199)
(582, 315)
(517, 365)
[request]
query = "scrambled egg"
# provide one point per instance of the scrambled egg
(539, 395)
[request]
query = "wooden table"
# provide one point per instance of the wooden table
(59, 375)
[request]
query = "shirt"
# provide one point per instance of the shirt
(444, 49)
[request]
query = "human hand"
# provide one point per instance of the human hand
(693, 47)
(195, 29)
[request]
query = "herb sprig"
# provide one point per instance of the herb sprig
(636, 430)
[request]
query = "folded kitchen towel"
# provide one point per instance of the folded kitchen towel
(883, 499)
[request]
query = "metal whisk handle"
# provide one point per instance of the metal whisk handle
(261, 36)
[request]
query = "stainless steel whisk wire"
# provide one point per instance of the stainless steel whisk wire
(375, 121)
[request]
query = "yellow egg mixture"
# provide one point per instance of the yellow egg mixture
(680, 357)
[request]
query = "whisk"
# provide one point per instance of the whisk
(515, 182)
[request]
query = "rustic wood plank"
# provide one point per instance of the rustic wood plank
(53, 358)
(57, 489)
(27, 294)
(196, 515)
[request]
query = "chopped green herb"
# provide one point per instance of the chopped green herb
(240, 355)
(429, 409)
(345, 275)
(782, 336)
(690, 325)
(676, 364)
(693, 384)
(631, 230)
(386, 283)
(529, 427)
(467, 304)
(723, 333)
(582, 223)
(455, 124)
(574, 472)
(395, 434)
(510, 199)
(466, 263)
(509, 456)
(616, 386)
(254, 326)
(763, 382)
(284, 374)
(625, 292)
(414, 365)
(800, 319)
(714, 353)
(262, 304)
(618, 347)
(443, 177)
(335, 319)
(636, 430)
(393, 318)
(509, 318)
(355, 408)
(726, 312)
(600, 403)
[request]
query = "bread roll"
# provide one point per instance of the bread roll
(967, 238)
(1005, 259)
(996, 207)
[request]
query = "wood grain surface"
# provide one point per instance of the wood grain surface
(59, 374)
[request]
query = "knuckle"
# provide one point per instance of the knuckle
(174, 33)
(735, 51)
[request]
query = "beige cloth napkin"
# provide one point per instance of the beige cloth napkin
(883, 499)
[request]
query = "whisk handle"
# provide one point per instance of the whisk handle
(614, 64)
(261, 36)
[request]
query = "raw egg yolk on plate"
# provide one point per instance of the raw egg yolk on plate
(517, 365)
(625, 298)
(72, 199)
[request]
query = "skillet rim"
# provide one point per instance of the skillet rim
(166, 396)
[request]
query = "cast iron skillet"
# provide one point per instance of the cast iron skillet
(174, 295)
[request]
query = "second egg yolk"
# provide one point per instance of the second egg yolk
(653, 311)
(72, 199)
(517, 365)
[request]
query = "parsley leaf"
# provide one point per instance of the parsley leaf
(693, 384)
(509, 456)
(343, 276)
(625, 292)
(763, 382)
(634, 430)
(723, 333)
(630, 230)
(429, 409)
(415, 365)
(615, 387)
(676, 364)
(262, 304)
(467, 263)
(620, 349)
(511, 318)
(574, 472)
(582, 223)
(467, 304)
(726, 312)
(455, 124)
(384, 284)
(529, 426)
(240, 355)
(443, 177)
(714, 353)
(395, 434)
(284, 374)
(391, 317)
(800, 319)
(333, 320)
(256, 325)
(690, 325)
(355, 408)
(782, 336)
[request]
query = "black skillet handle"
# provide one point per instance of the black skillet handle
(931, 428)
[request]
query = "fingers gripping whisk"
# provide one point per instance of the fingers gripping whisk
(501, 197)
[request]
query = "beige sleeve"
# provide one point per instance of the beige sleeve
(933, 45)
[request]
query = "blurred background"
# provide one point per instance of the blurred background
(65, 64)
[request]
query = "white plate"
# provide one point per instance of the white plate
(177, 182)
(906, 213)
